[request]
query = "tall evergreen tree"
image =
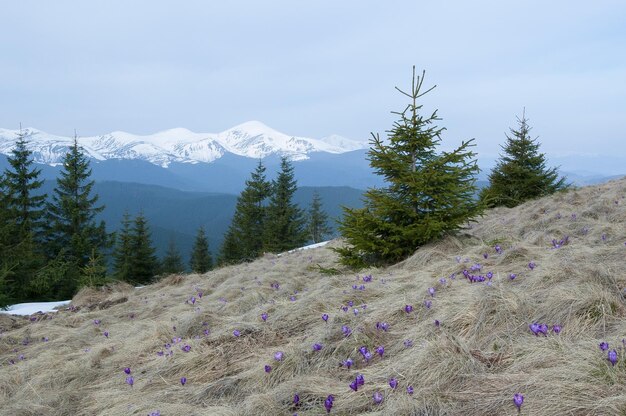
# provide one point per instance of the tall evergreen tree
(22, 207)
(123, 251)
(172, 261)
(521, 173)
(428, 194)
(73, 232)
(317, 224)
(285, 227)
(201, 261)
(244, 239)
(144, 264)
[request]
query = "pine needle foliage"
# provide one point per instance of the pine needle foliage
(428, 193)
(172, 262)
(144, 264)
(317, 224)
(201, 260)
(521, 173)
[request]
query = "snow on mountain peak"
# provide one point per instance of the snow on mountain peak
(250, 139)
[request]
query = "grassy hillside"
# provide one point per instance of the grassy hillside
(481, 353)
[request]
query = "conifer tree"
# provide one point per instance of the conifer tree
(172, 261)
(317, 220)
(22, 207)
(244, 239)
(122, 253)
(94, 273)
(73, 232)
(144, 264)
(201, 261)
(285, 227)
(428, 194)
(521, 173)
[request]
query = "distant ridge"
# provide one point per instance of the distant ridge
(251, 139)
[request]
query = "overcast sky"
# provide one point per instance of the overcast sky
(315, 68)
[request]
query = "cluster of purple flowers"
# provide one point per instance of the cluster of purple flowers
(472, 278)
(384, 326)
(537, 328)
(612, 354)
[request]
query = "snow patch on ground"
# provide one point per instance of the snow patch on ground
(34, 307)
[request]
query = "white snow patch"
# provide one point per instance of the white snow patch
(34, 307)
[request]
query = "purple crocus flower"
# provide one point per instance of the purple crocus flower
(518, 399)
(367, 278)
(378, 397)
(193, 300)
(428, 303)
(344, 308)
(556, 329)
(264, 316)
(127, 370)
(130, 380)
(410, 389)
(356, 312)
(296, 399)
(532, 265)
(267, 368)
(437, 323)
(431, 291)
(354, 385)
(347, 363)
(534, 327)
(186, 348)
(360, 379)
(200, 295)
(512, 276)
(96, 321)
(408, 343)
(612, 357)
(603, 346)
(278, 356)
(351, 304)
(317, 347)
(328, 403)
(393, 383)
(380, 350)
(183, 380)
(236, 332)
(346, 330)
(498, 249)
(106, 334)
(325, 317)
(543, 328)
(408, 308)
(485, 255)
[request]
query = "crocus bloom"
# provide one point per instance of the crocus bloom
(183, 380)
(127, 370)
(534, 327)
(346, 330)
(409, 389)
(348, 363)
(512, 276)
(96, 321)
(328, 403)
(428, 303)
(408, 343)
(380, 350)
(130, 380)
(264, 316)
(408, 308)
(437, 323)
(351, 304)
(485, 255)
(378, 397)
(193, 300)
(354, 385)
(556, 329)
(317, 347)
(367, 356)
(236, 333)
(356, 312)
(518, 399)
(186, 348)
(106, 334)
(543, 328)
(431, 291)
(278, 356)
(604, 346)
(267, 368)
(531, 265)
(393, 383)
(612, 357)
(498, 249)
(360, 379)
(325, 317)
(296, 399)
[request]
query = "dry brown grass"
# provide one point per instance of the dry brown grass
(482, 354)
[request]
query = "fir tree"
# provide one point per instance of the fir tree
(244, 239)
(22, 209)
(521, 173)
(172, 261)
(94, 273)
(73, 232)
(143, 263)
(201, 260)
(285, 227)
(123, 253)
(428, 194)
(317, 220)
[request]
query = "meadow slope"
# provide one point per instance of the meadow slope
(480, 355)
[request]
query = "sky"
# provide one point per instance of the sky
(316, 68)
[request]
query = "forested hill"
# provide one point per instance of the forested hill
(172, 213)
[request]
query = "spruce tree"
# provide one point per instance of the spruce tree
(122, 253)
(201, 261)
(317, 220)
(172, 261)
(73, 232)
(144, 264)
(285, 227)
(521, 173)
(244, 239)
(94, 273)
(428, 194)
(22, 207)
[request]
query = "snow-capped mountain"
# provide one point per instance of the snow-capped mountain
(252, 139)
